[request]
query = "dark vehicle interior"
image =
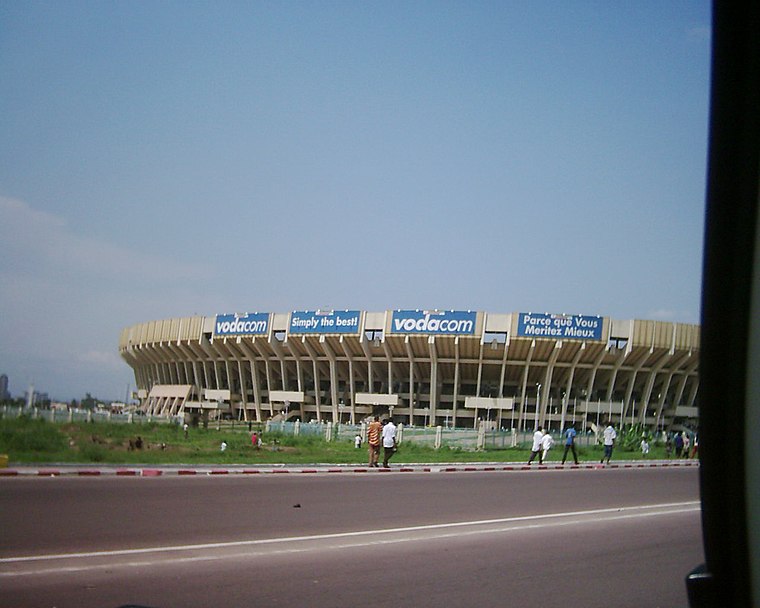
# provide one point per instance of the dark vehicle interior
(730, 353)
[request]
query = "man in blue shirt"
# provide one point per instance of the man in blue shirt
(570, 444)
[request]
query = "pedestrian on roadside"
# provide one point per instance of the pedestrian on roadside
(678, 444)
(255, 440)
(695, 447)
(358, 441)
(184, 427)
(569, 435)
(644, 447)
(389, 442)
(547, 442)
(535, 449)
(609, 441)
(223, 447)
(686, 444)
(374, 430)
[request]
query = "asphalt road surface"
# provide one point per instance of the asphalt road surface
(582, 538)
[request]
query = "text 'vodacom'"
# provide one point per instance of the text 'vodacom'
(231, 325)
(433, 322)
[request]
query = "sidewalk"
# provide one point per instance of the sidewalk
(59, 470)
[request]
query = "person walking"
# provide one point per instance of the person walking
(389, 442)
(535, 449)
(569, 435)
(678, 444)
(547, 442)
(374, 430)
(609, 441)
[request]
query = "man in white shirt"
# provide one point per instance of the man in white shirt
(389, 441)
(547, 441)
(609, 441)
(535, 449)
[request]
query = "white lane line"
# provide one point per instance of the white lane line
(635, 511)
(341, 542)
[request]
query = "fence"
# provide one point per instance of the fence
(65, 416)
(436, 437)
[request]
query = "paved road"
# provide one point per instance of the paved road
(622, 537)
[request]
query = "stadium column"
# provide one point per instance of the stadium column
(622, 355)
(479, 377)
(569, 384)
(624, 415)
(501, 377)
(455, 396)
(649, 386)
(282, 359)
(295, 353)
(521, 419)
(592, 376)
(238, 356)
(412, 400)
(681, 386)
(333, 378)
(691, 402)
(368, 354)
(315, 367)
(547, 383)
(389, 360)
(351, 385)
(201, 381)
(205, 345)
(260, 349)
(433, 381)
(251, 356)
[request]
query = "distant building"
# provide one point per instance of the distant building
(5, 395)
(34, 398)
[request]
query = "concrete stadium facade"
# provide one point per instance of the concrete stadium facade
(453, 368)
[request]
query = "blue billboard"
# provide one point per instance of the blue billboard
(561, 327)
(256, 323)
(324, 322)
(433, 322)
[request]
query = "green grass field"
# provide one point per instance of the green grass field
(27, 440)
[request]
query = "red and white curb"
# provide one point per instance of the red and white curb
(317, 469)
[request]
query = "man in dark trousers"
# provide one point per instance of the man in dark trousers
(570, 434)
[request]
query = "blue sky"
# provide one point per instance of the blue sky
(164, 159)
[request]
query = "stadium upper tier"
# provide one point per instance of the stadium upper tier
(423, 367)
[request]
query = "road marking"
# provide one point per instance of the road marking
(342, 540)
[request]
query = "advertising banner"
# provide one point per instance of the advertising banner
(561, 327)
(242, 325)
(324, 322)
(433, 322)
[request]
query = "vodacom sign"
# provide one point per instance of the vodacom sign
(433, 322)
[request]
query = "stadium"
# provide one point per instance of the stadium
(423, 367)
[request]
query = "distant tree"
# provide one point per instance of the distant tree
(89, 402)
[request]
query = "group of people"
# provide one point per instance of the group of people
(682, 444)
(381, 434)
(543, 442)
